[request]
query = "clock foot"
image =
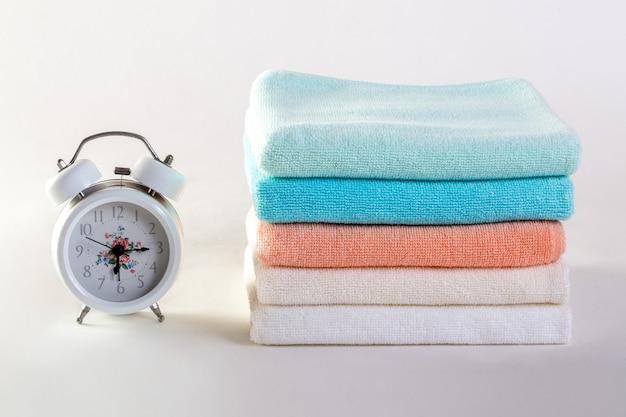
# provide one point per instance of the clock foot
(157, 312)
(83, 313)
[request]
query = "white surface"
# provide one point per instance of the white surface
(179, 73)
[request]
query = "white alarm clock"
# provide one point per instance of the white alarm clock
(118, 243)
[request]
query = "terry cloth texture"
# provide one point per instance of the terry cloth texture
(303, 125)
(371, 201)
(407, 286)
(325, 245)
(398, 325)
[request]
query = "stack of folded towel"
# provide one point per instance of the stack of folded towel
(388, 214)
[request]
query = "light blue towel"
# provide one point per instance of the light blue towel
(373, 201)
(312, 126)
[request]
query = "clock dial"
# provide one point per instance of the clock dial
(118, 251)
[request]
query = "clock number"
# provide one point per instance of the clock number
(85, 229)
(79, 250)
(152, 226)
(87, 271)
(160, 250)
(117, 212)
(141, 283)
(120, 289)
(153, 267)
(97, 214)
(136, 216)
(101, 282)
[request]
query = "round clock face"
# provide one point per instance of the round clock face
(118, 248)
(119, 251)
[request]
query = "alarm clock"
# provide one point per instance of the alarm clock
(117, 245)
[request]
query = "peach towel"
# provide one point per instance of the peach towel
(487, 245)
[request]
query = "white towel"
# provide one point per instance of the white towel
(399, 325)
(408, 286)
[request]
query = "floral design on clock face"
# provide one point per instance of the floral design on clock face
(112, 240)
(118, 251)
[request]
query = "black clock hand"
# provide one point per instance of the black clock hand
(99, 243)
(116, 270)
(118, 250)
(125, 250)
(137, 250)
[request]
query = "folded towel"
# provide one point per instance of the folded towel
(408, 286)
(398, 325)
(325, 245)
(312, 126)
(366, 201)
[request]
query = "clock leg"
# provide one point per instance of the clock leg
(157, 311)
(83, 313)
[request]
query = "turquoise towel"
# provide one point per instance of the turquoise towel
(312, 126)
(374, 201)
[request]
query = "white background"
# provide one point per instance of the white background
(179, 72)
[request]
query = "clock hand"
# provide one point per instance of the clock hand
(125, 250)
(116, 270)
(137, 250)
(99, 243)
(117, 250)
